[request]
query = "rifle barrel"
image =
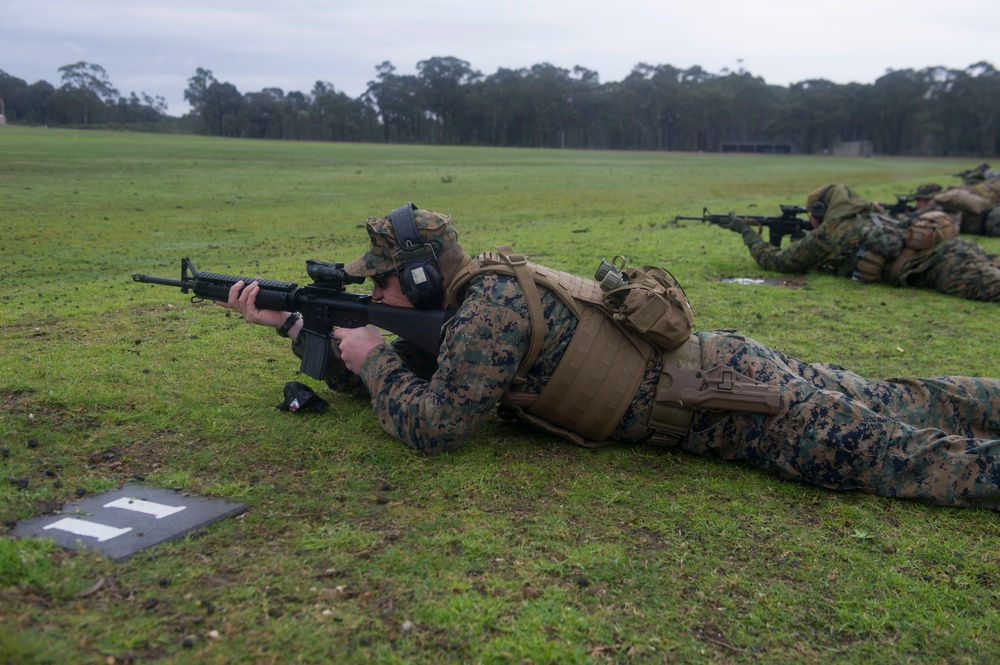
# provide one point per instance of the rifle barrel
(150, 279)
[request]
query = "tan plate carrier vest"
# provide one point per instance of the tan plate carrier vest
(603, 365)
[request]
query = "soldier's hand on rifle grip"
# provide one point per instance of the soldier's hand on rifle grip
(356, 344)
(244, 301)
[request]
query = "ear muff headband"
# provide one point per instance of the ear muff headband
(405, 228)
(818, 208)
(420, 280)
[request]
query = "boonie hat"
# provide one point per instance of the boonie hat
(434, 231)
(925, 191)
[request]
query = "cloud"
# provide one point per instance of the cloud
(155, 46)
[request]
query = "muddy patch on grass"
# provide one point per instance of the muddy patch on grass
(787, 282)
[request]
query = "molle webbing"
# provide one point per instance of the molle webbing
(601, 369)
(670, 421)
(595, 381)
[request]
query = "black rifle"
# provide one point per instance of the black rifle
(323, 305)
(778, 227)
(902, 206)
(976, 175)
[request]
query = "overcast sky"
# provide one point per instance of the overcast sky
(155, 46)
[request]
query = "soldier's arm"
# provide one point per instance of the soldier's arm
(811, 251)
(482, 348)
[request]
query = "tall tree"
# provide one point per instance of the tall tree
(86, 76)
(901, 97)
(87, 91)
(223, 109)
(444, 79)
(399, 101)
(336, 116)
(967, 110)
(13, 92)
(196, 93)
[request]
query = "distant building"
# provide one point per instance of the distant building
(852, 149)
(760, 147)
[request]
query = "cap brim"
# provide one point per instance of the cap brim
(359, 267)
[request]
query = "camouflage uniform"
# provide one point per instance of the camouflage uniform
(979, 174)
(977, 206)
(956, 266)
(935, 440)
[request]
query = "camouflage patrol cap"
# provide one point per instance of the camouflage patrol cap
(925, 191)
(434, 230)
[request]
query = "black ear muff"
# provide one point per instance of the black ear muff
(420, 279)
(818, 208)
(422, 284)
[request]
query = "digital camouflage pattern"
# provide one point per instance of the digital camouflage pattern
(977, 205)
(991, 225)
(934, 440)
(437, 408)
(383, 255)
(956, 266)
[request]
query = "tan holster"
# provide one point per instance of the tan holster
(683, 387)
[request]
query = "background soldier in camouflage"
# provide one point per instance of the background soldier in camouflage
(934, 440)
(851, 230)
(981, 173)
(976, 205)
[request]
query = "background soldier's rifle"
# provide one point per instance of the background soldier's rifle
(976, 175)
(323, 305)
(902, 206)
(789, 223)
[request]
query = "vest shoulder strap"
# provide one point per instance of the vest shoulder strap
(505, 261)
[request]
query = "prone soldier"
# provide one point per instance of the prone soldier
(853, 239)
(542, 346)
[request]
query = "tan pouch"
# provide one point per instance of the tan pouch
(869, 266)
(931, 228)
(963, 200)
(989, 189)
(653, 304)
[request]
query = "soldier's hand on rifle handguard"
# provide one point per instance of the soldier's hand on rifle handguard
(243, 299)
(733, 223)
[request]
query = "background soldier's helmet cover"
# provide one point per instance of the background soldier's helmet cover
(825, 191)
(433, 229)
(925, 191)
(818, 201)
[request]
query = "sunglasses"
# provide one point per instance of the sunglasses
(379, 280)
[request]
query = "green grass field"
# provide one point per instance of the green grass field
(517, 548)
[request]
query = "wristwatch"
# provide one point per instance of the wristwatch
(287, 325)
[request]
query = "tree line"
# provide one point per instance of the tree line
(933, 111)
(85, 97)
